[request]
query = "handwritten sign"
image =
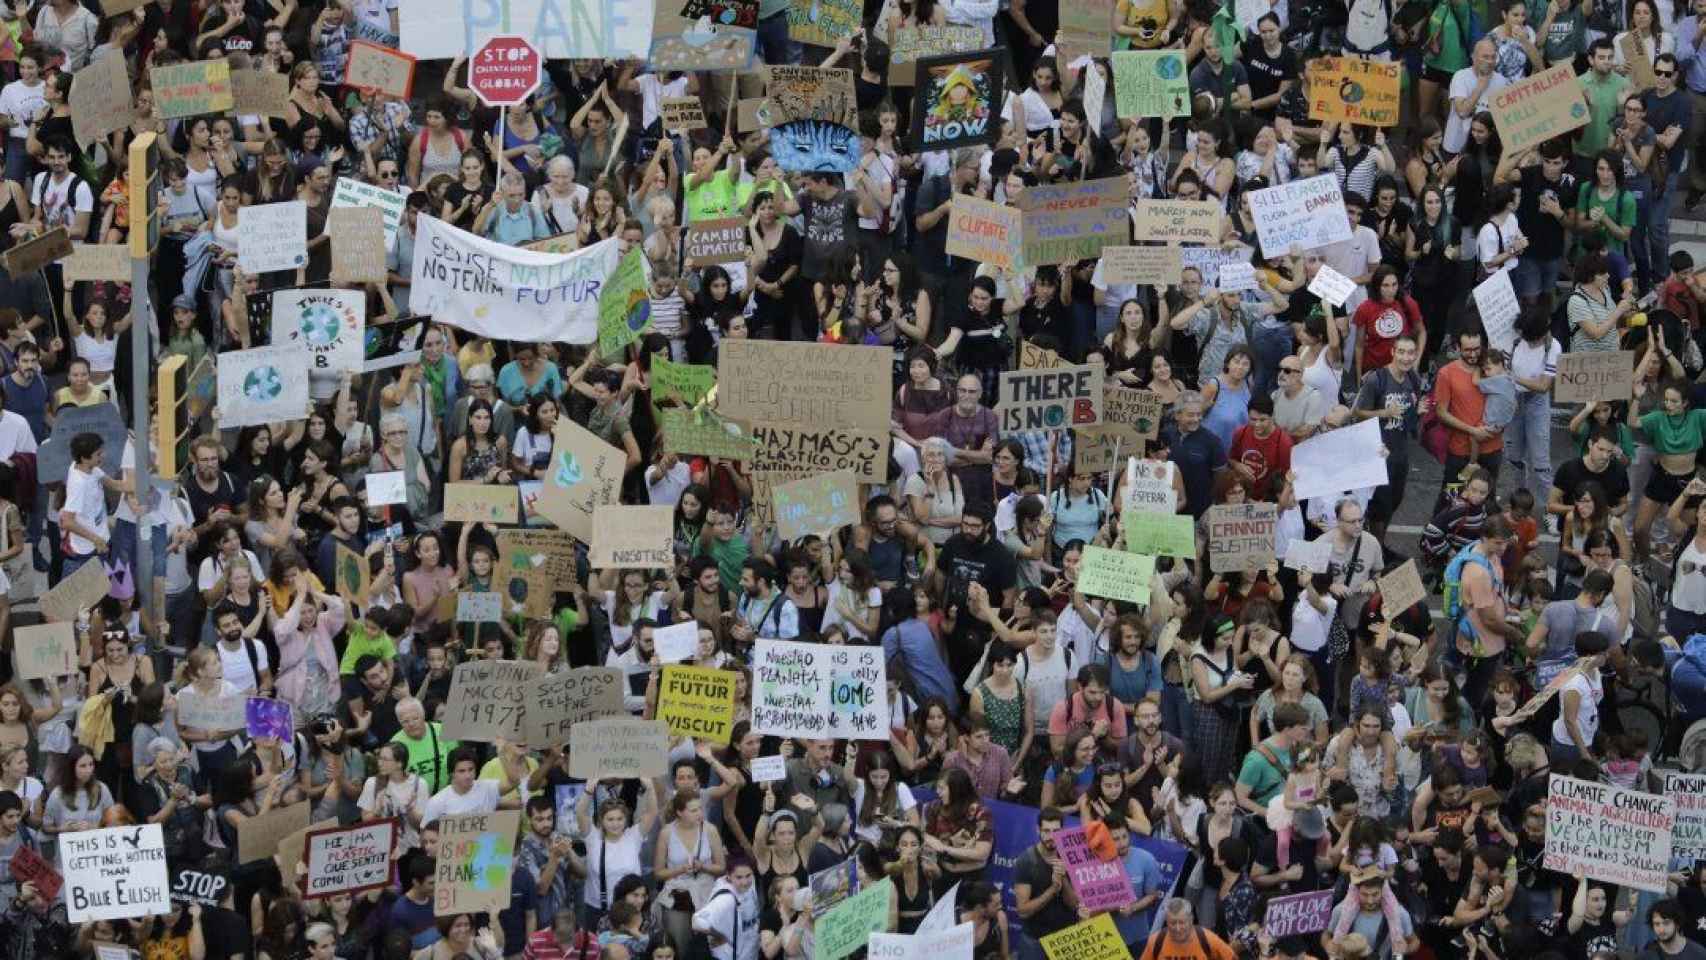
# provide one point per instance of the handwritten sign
(1687, 791)
(488, 700)
(1609, 833)
(1328, 284)
(682, 114)
(479, 606)
(952, 943)
(1149, 487)
(28, 866)
(1142, 264)
(1309, 556)
(206, 713)
(1496, 300)
(820, 504)
(328, 325)
(97, 261)
(1238, 277)
(258, 837)
(983, 231)
(1597, 375)
(1303, 213)
(633, 538)
(850, 924)
(618, 748)
(373, 67)
(358, 244)
(1100, 884)
(1055, 399)
(191, 89)
(117, 873)
(198, 886)
(100, 98)
(716, 241)
(69, 597)
(262, 93)
(385, 488)
(272, 236)
(805, 384)
(349, 859)
(1401, 589)
(769, 769)
(702, 433)
(683, 383)
(1092, 939)
(585, 473)
(1161, 535)
(1352, 90)
(1347, 458)
(1532, 111)
(1115, 574)
(476, 861)
(531, 563)
(45, 651)
(354, 193)
(909, 44)
(1241, 536)
(33, 254)
(1298, 914)
(558, 701)
(697, 702)
(814, 691)
(1151, 83)
(1176, 221)
(479, 503)
(1068, 222)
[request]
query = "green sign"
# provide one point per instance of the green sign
(1115, 574)
(624, 305)
(704, 434)
(685, 383)
(846, 928)
(1151, 83)
(1161, 534)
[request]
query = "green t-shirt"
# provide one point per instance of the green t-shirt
(1447, 23)
(361, 642)
(1670, 434)
(1261, 776)
(1619, 208)
(730, 555)
(434, 769)
(1602, 111)
(713, 198)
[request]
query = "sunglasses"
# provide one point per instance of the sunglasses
(1664, 73)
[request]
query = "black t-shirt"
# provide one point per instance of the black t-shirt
(384, 725)
(1381, 389)
(1032, 869)
(1266, 73)
(963, 563)
(1592, 938)
(831, 226)
(1573, 474)
(226, 934)
(1545, 232)
(203, 503)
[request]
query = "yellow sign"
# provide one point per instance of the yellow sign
(1353, 90)
(697, 702)
(1093, 939)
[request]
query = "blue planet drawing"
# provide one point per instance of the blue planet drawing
(320, 325)
(263, 384)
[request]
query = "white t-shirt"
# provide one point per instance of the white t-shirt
(873, 831)
(1462, 84)
(1495, 239)
(1530, 360)
(480, 798)
(212, 568)
(375, 13)
(664, 488)
(1309, 625)
(608, 863)
(15, 435)
(1045, 682)
(58, 210)
(20, 103)
(87, 500)
(832, 613)
(238, 672)
(1587, 718)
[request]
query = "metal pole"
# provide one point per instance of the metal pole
(141, 368)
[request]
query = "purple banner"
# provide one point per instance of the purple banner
(1299, 913)
(1174, 860)
(1101, 884)
(268, 718)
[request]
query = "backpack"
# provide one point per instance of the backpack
(1153, 950)
(39, 189)
(1454, 580)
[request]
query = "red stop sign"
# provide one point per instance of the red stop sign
(504, 71)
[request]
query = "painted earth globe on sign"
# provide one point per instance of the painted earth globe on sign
(263, 384)
(320, 325)
(1168, 68)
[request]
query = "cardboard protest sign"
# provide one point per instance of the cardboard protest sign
(1532, 111)
(198, 886)
(1688, 793)
(1208, 260)
(558, 701)
(267, 718)
(1176, 221)
(97, 261)
(585, 473)
(682, 114)
(532, 562)
(697, 702)
(723, 48)
(1241, 536)
(983, 231)
(909, 44)
(272, 236)
(850, 924)
(633, 538)
(358, 244)
(259, 92)
(479, 503)
(1308, 214)
(386, 488)
(1298, 914)
(212, 712)
(1347, 458)
(479, 606)
(810, 93)
(37, 252)
(1151, 83)
(258, 837)
(1092, 939)
(624, 304)
(1142, 264)
(476, 861)
(702, 433)
(350, 192)
(488, 701)
(28, 866)
(809, 690)
(1609, 833)
(716, 241)
(1149, 487)
(351, 576)
(100, 98)
(1100, 884)
(1068, 222)
(1068, 396)
(819, 504)
(822, 23)
(1115, 574)
(619, 748)
(1161, 535)
(805, 384)
(385, 69)
(53, 458)
(191, 89)
(1497, 303)
(1401, 589)
(349, 859)
(328, 325)
(1598, 375)
(957, 99)
(85, 588)
(1352, 90)
(45, 651)
(116, 873)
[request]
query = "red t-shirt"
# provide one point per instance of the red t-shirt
(1382, 324)
(1455, 393)
(1268, 457)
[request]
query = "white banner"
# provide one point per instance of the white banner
(328, 324)
(262, 385)
(436, 29)
(505, 292)
(1338, 460)
(117, 873)
(816, 691)
(954, 943)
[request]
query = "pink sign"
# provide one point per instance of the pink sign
(1101, 884)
